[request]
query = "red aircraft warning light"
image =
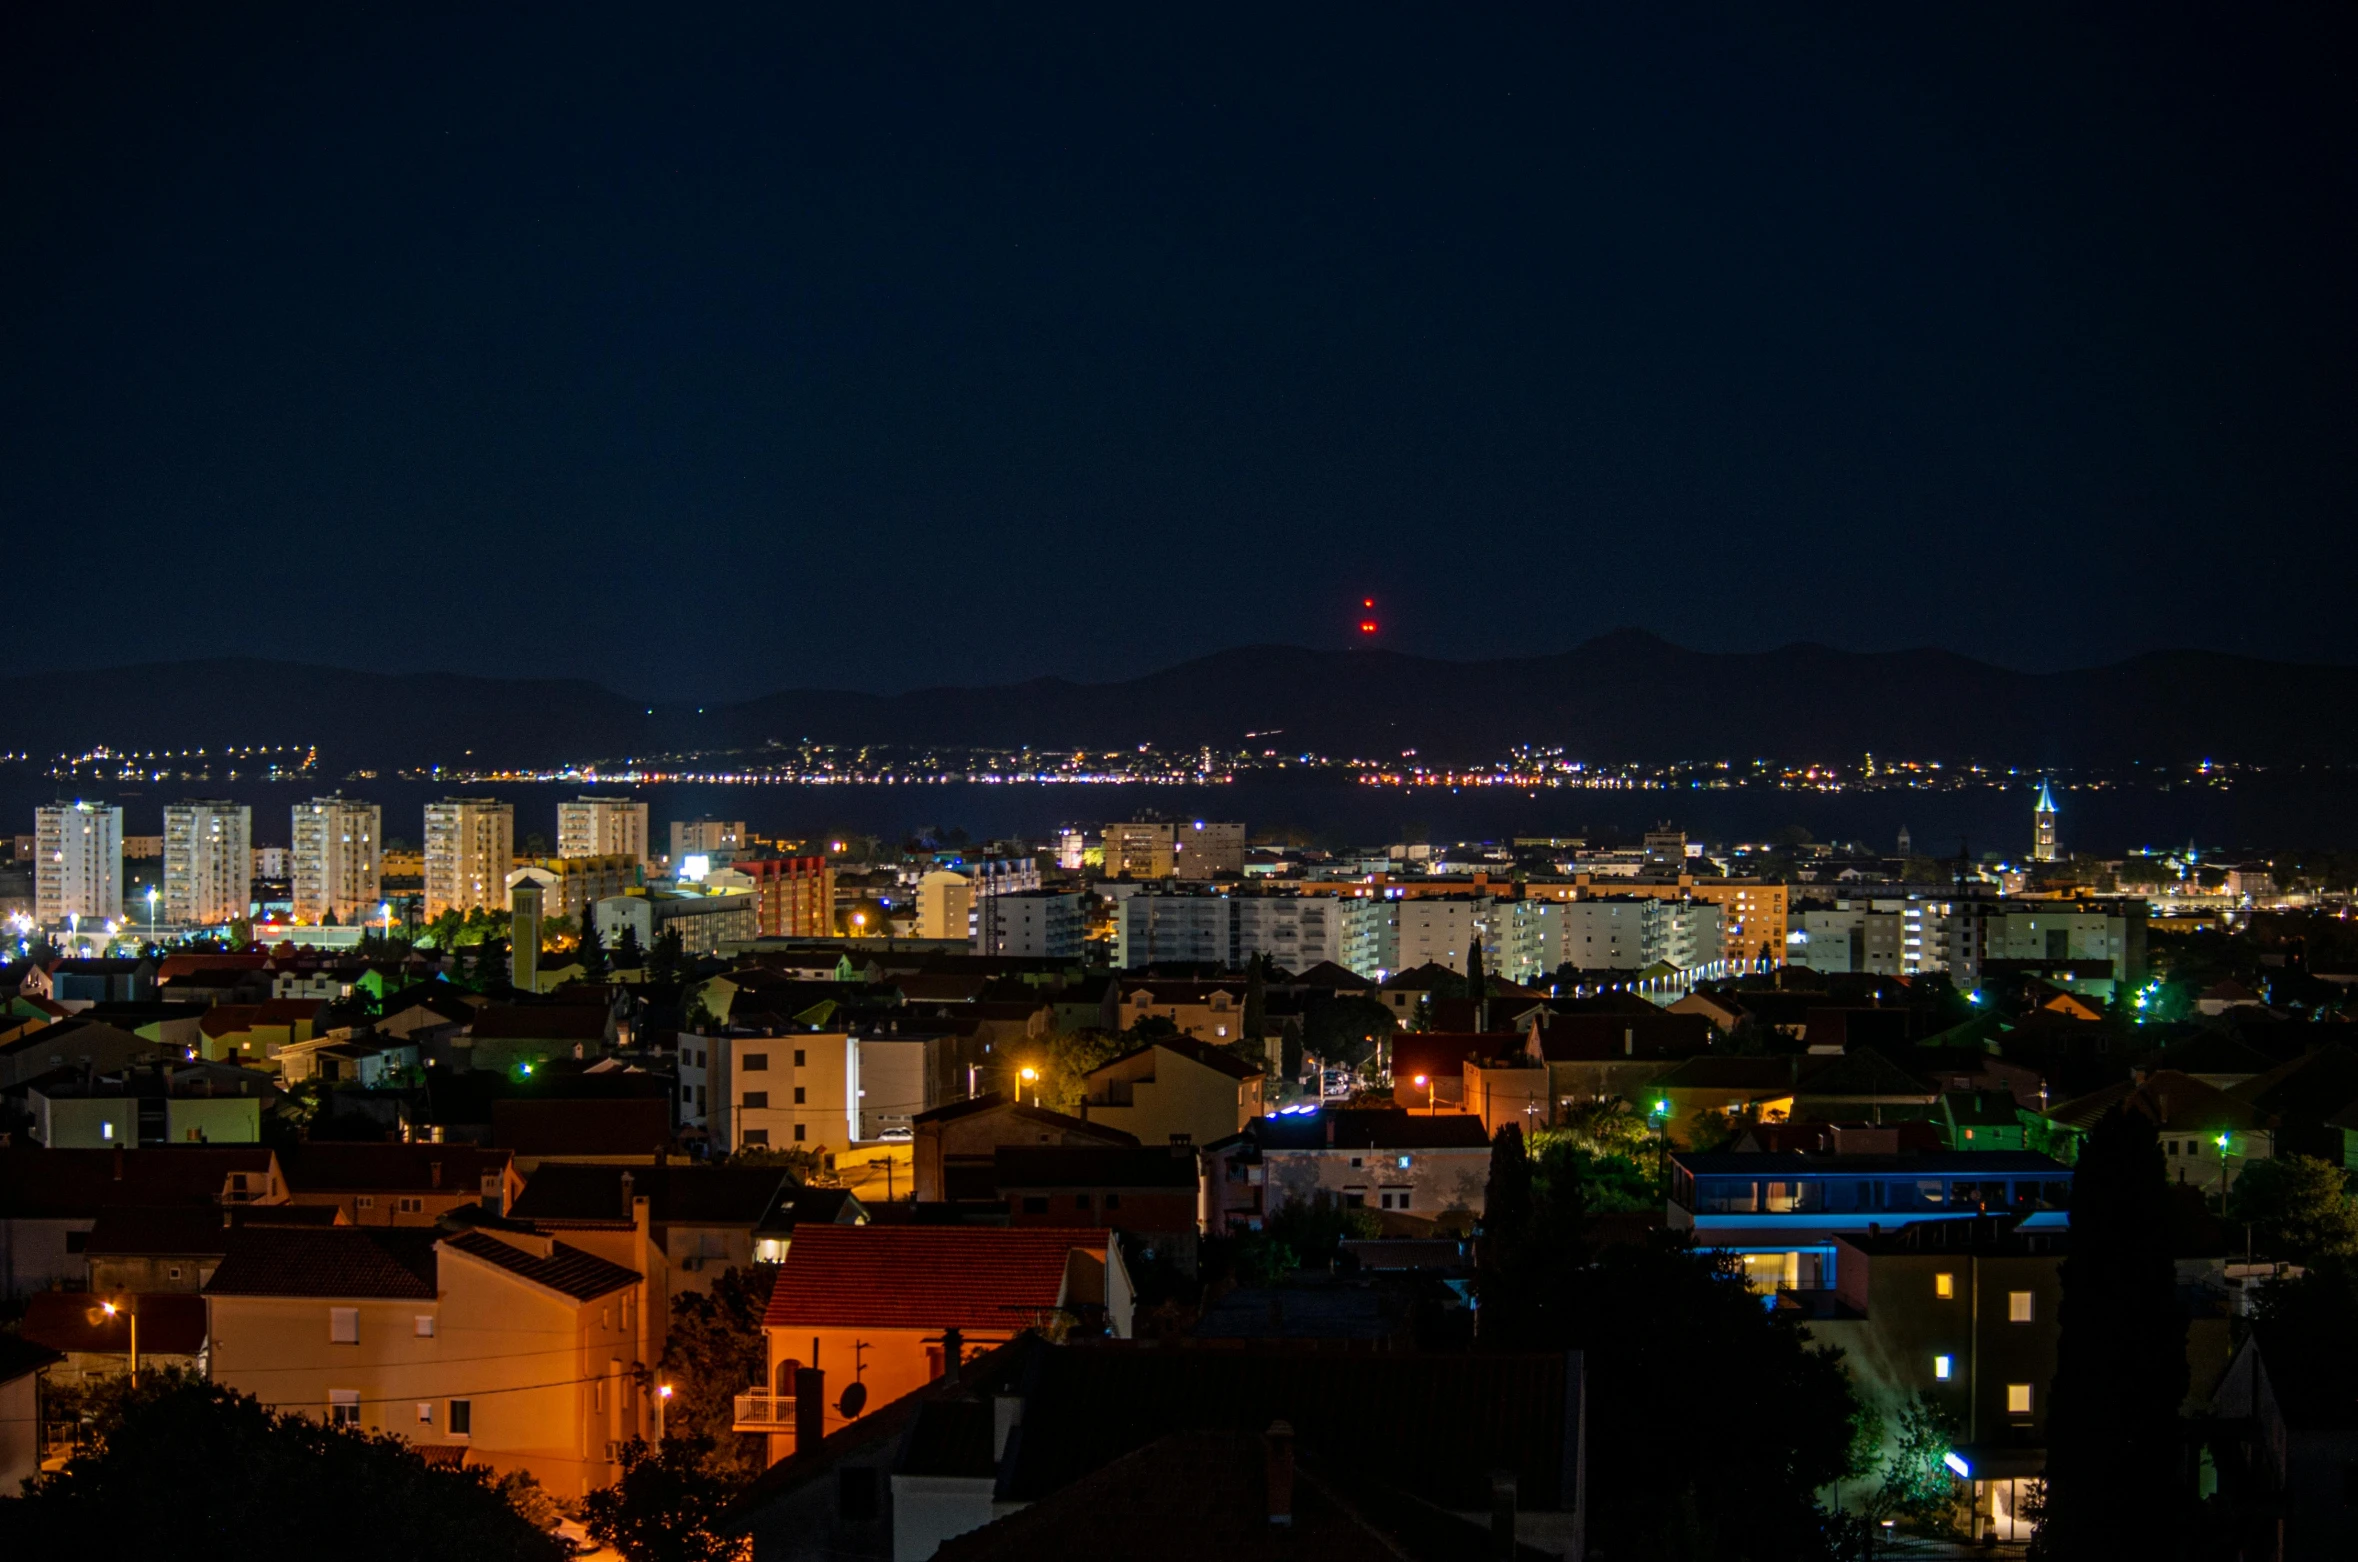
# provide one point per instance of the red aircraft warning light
(1367, 624)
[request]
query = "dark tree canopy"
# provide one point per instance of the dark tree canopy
(2114, 1443)
(245, 1482)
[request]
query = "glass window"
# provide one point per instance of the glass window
(424, 1326)
(798, 1058)
(757, 1100)
(2018, 1399)
(343, 1404)
(2018, 1307)
(756, 1136)
(344, 1326)
(1944, 1286)
(462, 1417)
(757, 1062)
(1941, 1367)
(800, 1131)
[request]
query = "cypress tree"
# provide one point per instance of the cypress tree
(594, 963)
(1504, 1258)
(628, 956)
(2115, 1445)
(1476, 986)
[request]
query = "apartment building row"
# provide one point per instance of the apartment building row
(1523, 940)
(2089, 945)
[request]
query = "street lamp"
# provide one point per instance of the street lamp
(131, 1313)
(151, 913)
(662, 1403)
(1424, 1083)
(1030, 1076)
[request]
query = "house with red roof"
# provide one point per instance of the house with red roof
(870, 1306)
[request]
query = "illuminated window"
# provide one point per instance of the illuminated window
(1941, 1367)
(343, 1406)
(2018, 1399)
(2018, 1307)
(1944, 1286)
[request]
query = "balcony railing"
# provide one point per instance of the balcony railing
(761, 1412)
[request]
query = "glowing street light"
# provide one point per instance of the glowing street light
(131, 1313)
(1030, 1076)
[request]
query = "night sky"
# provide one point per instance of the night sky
(704, 352)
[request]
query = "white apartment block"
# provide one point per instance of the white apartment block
(1209, 849)
(470, 845)
(1616, 934)
(78, 863)
(705, 838)
(208, 862)
(337, 861)
(1032, 924)
(602, 827)
(1888, 936)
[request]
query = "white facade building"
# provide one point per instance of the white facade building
(78, 863)
(602, 827)
(338, 860)
(208, 862)
(1033, 924)
(470, 845)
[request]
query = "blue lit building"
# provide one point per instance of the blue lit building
(1781, 1214)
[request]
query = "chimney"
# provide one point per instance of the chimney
(628, 1184)
(1278, 1442)
(1502, 1513)
(810, 1408)
(1330, 1133)
(434, 1173)
(118, 1163)
(953, 1354)
(1629, 1042)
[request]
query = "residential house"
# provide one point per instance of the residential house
(253, 1032)
(160, 1248)
(1147, 1189)
(76, 983)
(1603, 1051)
(78, 1044)
(50, 1199)
(703, 1218)
(160, 1104)
(870, 1305)
(1459, 1434)
(1175, 1091)
(2285, 1443)
(1429, 1067)
(766, 1090)
(507, 1347)
(517, 1037)
(955, 1147)
(398, 1184)
(796, 1206)
(1984, 1120)
(1959, 1313)
(617, 1130)
(1781, 1214)
(1204, 1011)
(2302, 1095)
(22, 1364)
(1387, 1159)
(2207, 1135)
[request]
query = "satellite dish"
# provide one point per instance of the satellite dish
(854, 1400)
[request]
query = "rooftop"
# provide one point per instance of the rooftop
(924, 1277)
(366, 1261)
(582, 1276)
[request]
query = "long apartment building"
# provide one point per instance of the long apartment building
(78, 863)
(208, 862)
(602, 827)
(794, 897)
(470, 846)
(338, 860)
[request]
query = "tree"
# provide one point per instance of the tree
(716, 1351)
(1667, 1328)
(2299, 1208)
(1917, 1483)
(1068, 1056)
(667, 961)
(628, 956)
(1256, 1001)
(592, 953)
(667, 1507)
(2113, 1440)
(1506, 1247)
(1345, 1029)
(1477, 985)
(259, 1484)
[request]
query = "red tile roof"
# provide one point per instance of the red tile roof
(540, 1022)
(582, 1276)
(924, 1277)
(387, 1261)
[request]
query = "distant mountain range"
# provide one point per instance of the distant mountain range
(1623, 696)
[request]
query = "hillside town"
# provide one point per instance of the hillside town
(935, 1198)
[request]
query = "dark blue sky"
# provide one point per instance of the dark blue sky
(705, 352)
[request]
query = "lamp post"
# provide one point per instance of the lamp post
(151, 913)
(1425, 1083)
(1030, 1076)
(1661, 1115)
(662, 1403)
(132, 1314)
